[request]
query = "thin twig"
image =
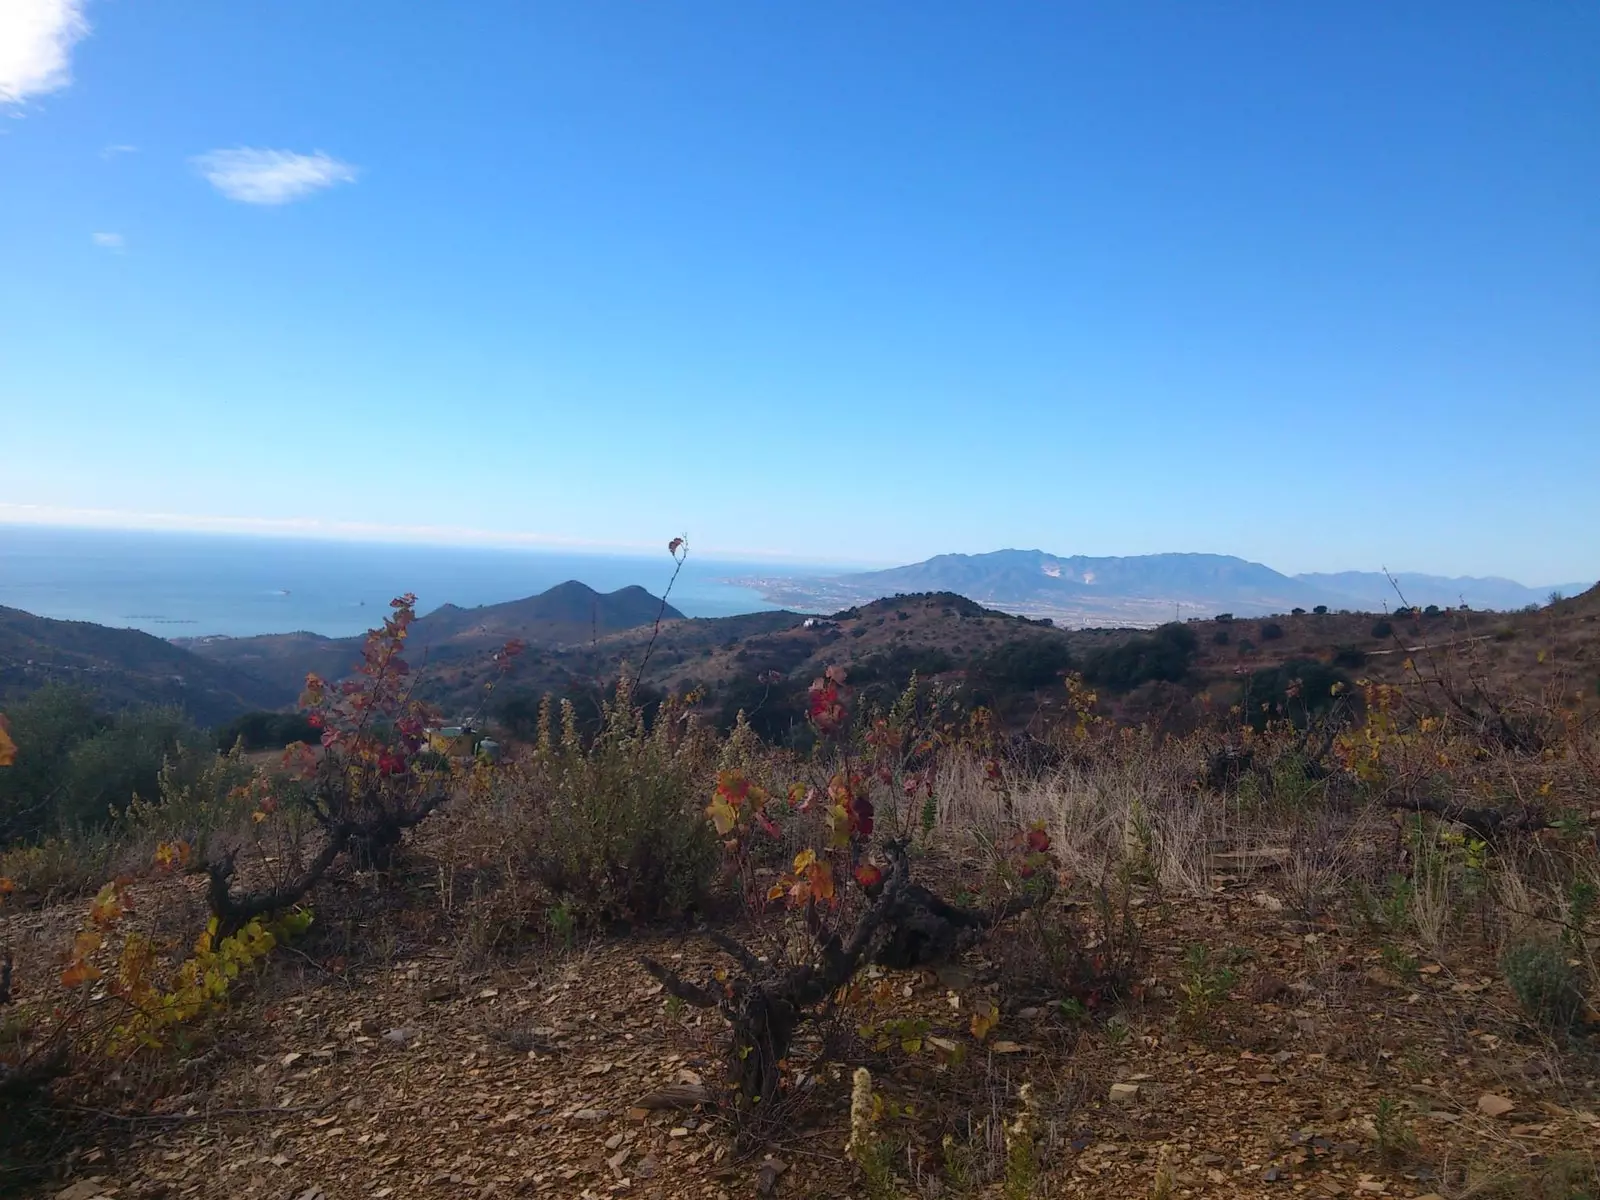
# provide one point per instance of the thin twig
(679, 550)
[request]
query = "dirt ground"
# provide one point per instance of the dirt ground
(1315, 1064)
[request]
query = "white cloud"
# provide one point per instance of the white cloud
(113, 151)
(36, 40)
(109, 241)
(271, 176)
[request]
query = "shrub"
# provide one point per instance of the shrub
(376, 777)
(1349, 656)
(1298, 689)
(1321, 610)
(1024, 664)
(1223, 618)
(1205, 984)
(76, 767)
(200, 795)
(1382, 629)
(1548, 988)
(618, 830)
(1271, 631)
(896, 666)
(1165, 655)
(267, 731)
(774, 708)
(45, 729)
(1431, 611)
(105, 773)
(1220, 638)
(1297, 612)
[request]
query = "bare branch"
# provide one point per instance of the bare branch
(1487, 823)
(690, 993)
(738, 953)
(235, 912)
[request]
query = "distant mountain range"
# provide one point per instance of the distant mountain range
(1148, 588)
(575, 632)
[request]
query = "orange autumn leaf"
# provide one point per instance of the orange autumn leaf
(984, 1021)
(79, 973)
(8, 748)
(86, 943)
(821, 876)
(108, 905)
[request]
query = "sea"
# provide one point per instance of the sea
(195, 585)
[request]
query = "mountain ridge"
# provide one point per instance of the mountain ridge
(1147, 589)
(124, 666)
(569, 612)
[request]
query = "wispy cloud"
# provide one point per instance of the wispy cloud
(36, 40)
(271, 176)
(109, 241)
(114, 151)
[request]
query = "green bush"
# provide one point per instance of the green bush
(77, 767)
(1163, 655)
(618, 826)
(103, 774)
(45, 727)
(774, 709)
(199, 794)
(1321, 610)
(1220, 638)
(1548, 988)
(1024, 664)
(267, 731)
(1349, 656)
(1382, 629)
(1271, 631)
(1298, 689)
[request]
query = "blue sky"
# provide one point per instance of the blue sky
(1315, 283)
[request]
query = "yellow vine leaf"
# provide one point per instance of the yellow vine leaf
(984, 1021)
(8, 748)
(722, 816)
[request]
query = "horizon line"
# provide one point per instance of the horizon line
(376, 533)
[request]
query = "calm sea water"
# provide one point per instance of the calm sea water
(187, 585)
